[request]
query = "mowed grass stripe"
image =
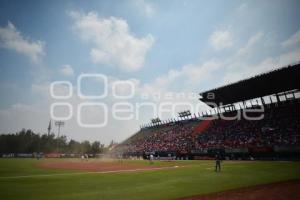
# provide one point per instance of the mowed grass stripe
(84, 173)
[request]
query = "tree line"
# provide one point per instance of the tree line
(26, 141)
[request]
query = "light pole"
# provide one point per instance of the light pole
(59, 124)
(49, 128)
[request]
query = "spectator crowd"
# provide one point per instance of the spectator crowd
(280, 126)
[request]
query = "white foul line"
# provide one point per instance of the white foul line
(82, 173)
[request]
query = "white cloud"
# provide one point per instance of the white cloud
(242, 7)
(200, 73)
(293, 40)
(221, 39)
(185, 79)
(211, 73)
(161, 83)
(67, 70)
(145, 7)
(252, 41)
(242, 71)
(217, 72)
(11, 38)
(20, 116)
(15, 117)
(113, 43)
(237, 69)
(187, 75)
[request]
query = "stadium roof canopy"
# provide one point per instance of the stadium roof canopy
(280, 80)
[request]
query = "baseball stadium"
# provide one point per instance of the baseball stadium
(176, 159)
(240, 141)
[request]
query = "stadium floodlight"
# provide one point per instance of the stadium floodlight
(155, 120)
(59, 124)
(184, 114)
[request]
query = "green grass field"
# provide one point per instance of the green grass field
(196, 177)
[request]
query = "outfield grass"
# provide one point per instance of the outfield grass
(197, 177)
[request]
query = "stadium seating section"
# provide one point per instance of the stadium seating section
(278, 131)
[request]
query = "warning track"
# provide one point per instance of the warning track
(288, 190)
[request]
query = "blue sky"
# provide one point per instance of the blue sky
(162, 46)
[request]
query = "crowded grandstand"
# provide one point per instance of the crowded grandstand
(270, 130)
